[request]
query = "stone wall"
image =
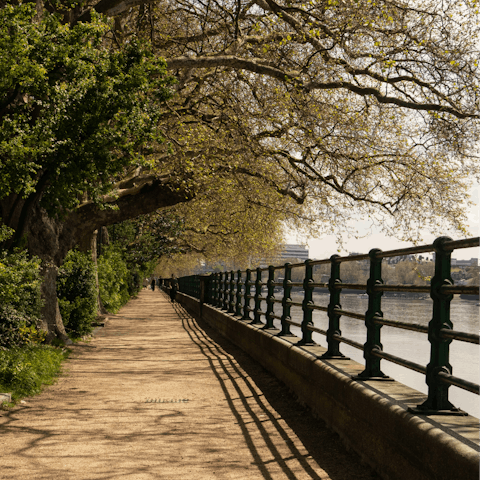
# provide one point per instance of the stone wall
(370, 416)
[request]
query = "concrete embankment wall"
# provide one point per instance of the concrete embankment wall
(370, 416)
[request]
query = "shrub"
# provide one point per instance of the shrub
(113, 279)
(20, 283)
(23, 371)
(20, 292)
(17, 329)
(77, 293)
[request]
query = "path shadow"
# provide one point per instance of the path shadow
(237, 371)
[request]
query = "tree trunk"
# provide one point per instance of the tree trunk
(104, 239)
(52, 321)
(92, 247)
(45, 240)
(51, 237)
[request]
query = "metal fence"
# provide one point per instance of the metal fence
(236, 291)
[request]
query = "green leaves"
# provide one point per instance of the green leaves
(20, 283)
(77, 293)
(24, 371)
(20, 299)
(74, 113)
(113, 277)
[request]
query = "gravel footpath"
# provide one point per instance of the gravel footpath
(156, 394)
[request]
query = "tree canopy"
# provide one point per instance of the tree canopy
(76, 117)
(354, 107)
(238, 115)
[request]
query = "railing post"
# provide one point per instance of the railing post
(231, 293)
(216, 293)
(212, 286)
(220, 291)
(287, 291)
(372, 363)
(197, 286)
(238, 304)
(214, 289)
(437, 401)
(204, 296)
(210, 289)
(333, 346)
(306, 304)
(257, 299)
(270, 299)
(246, 304)
(225, 292)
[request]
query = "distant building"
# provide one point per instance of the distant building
(401, 258)
(295, 253)
(299, 252)
(473, 262)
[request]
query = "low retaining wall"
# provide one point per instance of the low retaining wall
(370, 416)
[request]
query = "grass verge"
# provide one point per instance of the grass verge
(24, 371)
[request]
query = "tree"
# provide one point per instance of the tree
(77, 121)
(146, 238)
(409, 272)
(226, 222)
(345, 107)
(364, 107)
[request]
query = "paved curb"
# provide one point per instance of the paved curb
(5, 397)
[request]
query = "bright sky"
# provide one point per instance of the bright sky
(320, 248)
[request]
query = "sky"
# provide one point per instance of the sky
(320, 248)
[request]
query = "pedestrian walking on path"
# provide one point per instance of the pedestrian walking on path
(173, 288)
(158, 395)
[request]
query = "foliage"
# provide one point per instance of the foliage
(20, 283)
(77, 293)
(141, 242)
(5, 233)
(114, 279)
(405, 272)
(83, 110)
(74, 114)
(228, 224)
(146, 238)
(356, 108)
(17, 329)
(410, 272)
(20, 291)
(23, 371)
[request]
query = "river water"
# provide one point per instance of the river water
(413, 346)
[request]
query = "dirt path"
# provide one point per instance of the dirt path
(156, 395)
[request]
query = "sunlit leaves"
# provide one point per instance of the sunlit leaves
(379, 119)
(73, 113)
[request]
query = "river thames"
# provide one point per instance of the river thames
(413, 346)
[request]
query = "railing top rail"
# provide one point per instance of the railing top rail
(294, 265)
(465, 243)
(405, 251)
(451, 245)
(353, 258)
(325, 261)
(448, 245)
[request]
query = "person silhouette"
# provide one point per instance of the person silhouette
(173, 288)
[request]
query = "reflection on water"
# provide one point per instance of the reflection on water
(413, 346)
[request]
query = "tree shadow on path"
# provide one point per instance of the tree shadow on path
(264, 407)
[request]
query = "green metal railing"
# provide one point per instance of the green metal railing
(224, 291)
(189, 285)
